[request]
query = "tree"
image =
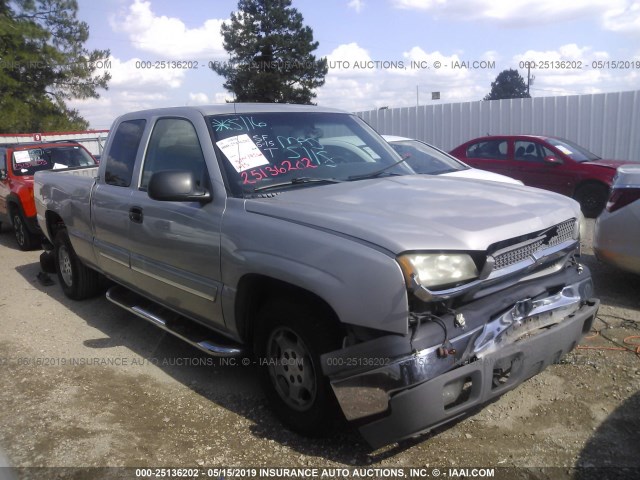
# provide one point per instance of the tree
(270, 54)
(43, 62)
(508, 84)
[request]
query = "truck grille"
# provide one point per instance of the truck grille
(524, 247)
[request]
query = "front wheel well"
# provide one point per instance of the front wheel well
(255, 291)
(13, 207)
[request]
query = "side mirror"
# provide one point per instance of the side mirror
(553, 160)
(176, 186)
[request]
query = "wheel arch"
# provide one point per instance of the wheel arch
(54, 224)
(587, 182)
(13, 204)
(256, 290)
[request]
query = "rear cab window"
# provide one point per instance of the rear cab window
(122, 153)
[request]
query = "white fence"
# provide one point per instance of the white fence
(608, 124)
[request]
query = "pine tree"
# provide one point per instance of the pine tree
(508, 84)
(271, 56)
(43, 62)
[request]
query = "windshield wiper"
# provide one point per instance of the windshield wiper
(294, 181)
(379, 172)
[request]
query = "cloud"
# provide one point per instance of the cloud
(357, 5)
(393, 82)
(425, 66)
(346, 59)
(168, 36)
(371, 88)
(625, 19)
(618, 15)
(199, 98)
(132, 87)
(137, 74)
(582, 73)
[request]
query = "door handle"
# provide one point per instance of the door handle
(135, 214)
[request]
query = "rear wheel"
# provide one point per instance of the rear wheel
(25, 239)
(77, 280)
(592, 199)
(289, 344)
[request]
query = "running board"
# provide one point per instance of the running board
(173, 323)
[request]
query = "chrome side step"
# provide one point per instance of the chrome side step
(173, 323)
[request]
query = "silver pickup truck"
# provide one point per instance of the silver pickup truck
(296, 234)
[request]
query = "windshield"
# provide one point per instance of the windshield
(27, 162)
(281, 148)
(424, 158)
(573, 151)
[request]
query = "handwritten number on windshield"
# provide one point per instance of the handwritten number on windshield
(254, 175)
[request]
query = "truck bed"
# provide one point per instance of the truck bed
(68, 192)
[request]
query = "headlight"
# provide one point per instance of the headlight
(434, 270)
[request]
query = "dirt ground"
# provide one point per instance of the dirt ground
(85, 384)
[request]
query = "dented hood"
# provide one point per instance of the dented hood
(418, 212)
(608, 163)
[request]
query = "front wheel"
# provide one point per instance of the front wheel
(25, 239)
(592, 199)
(77, 280)
(289, 344)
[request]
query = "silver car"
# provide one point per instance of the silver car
(425, 158)
(617, 232)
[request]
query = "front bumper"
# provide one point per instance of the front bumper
(398, 396)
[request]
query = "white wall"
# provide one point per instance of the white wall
(608, 124)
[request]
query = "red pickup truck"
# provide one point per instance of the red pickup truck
(18, 163)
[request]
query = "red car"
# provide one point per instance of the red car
(550, 163)
(18, 163)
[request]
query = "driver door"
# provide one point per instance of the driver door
(175, 246)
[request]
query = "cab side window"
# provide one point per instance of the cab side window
(123, 151)
(174, 145)
(496, 149)
(528, 151)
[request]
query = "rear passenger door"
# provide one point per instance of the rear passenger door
(175, 246)
(111, 198)
(494, 155)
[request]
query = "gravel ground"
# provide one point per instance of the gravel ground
(85, 384)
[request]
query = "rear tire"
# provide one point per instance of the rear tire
(288, 344)
(592, 199)
(77, 280)
(25, 239)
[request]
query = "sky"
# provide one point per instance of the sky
(381, 53)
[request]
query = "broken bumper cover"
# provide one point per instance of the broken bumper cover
(413, 393)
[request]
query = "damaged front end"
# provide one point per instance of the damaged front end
(468, 344)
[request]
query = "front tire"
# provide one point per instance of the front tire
(25, 239)
(592, 199)
(289, 344)
(77, 280)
